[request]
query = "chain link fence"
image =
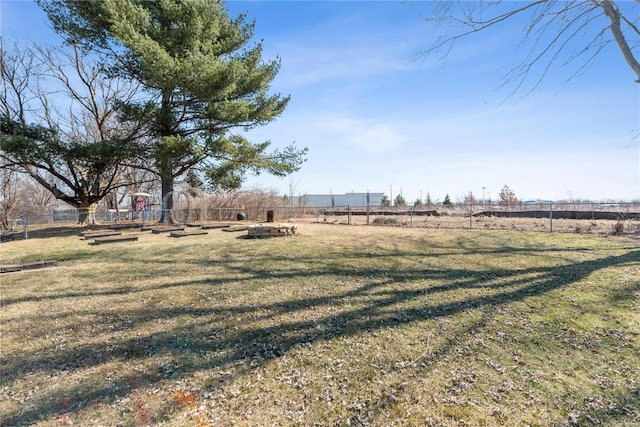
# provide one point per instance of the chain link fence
(569, 217)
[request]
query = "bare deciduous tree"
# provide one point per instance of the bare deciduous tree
(8, 195)
(77, 147)
(507, 197)
(21, 195)
(556, 31)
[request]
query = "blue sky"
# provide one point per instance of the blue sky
(375, 119)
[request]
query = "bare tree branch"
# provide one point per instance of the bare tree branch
(78, 149)
(613, 13)
(558, 32)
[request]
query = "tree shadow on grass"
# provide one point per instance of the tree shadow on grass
(382, 302)
(329, 265)
(49, 232)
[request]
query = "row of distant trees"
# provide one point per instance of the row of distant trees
(142, 92)
(506, 197)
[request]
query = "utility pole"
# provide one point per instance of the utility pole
(290, 194)
(391, 195)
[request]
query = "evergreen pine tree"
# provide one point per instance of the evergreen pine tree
(200, 79)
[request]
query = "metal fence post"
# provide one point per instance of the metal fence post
(25, 225)
(470, 215)
(411, 220)
(367, 213)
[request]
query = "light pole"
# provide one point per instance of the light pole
(420, 195)
(483, 188)
(390, 195)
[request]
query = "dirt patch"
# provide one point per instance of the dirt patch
(628, 227)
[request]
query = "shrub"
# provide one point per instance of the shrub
(381, 220)
(618, 227)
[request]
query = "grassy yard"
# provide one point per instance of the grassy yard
(339, 325)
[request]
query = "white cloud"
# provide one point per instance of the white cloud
(308, 65)
(324, 51)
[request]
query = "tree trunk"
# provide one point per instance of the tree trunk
(612, 12)
(87, 214)
(167, 200)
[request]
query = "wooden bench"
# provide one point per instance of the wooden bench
(114, 239)
(93, 234)
(124, 226)
(159, 230)
(27, 266)
(38, 264)
(218, 225)
(10, 268)
(183, 233)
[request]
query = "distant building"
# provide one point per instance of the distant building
(337, 200)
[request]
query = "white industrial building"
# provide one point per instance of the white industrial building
(338, 200)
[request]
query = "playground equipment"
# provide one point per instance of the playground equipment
(242, 215)
(140, 203)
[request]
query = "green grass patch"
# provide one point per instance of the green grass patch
(337, 325)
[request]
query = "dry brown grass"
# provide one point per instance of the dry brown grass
(539, 225)
(339, 325)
